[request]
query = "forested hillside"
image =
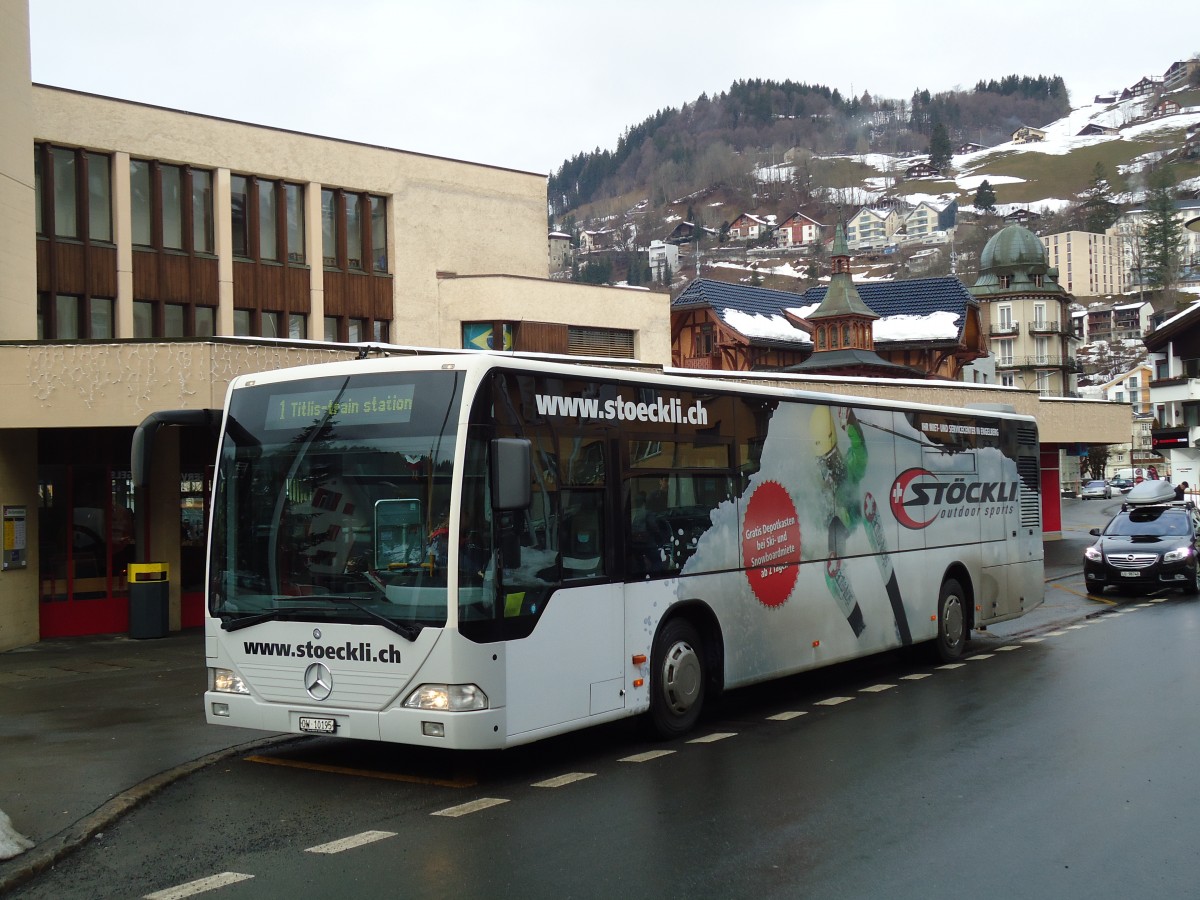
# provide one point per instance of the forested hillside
(711, 141)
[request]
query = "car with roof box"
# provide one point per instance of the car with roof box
(1151, 543)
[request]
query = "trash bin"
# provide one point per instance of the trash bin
(149, 600)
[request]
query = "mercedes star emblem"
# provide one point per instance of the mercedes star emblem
(318, 681)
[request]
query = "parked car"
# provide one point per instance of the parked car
(1151, 542)
(1096, 490)
(1120, 483)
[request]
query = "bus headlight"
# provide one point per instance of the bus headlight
(447, 698)
(228, 682)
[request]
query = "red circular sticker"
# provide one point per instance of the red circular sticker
(771, 543)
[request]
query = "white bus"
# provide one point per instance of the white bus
(479, 551)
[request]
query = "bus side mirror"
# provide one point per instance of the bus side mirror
(510, 460)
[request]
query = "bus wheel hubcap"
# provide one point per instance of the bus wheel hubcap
(952, 621)
(681, 677)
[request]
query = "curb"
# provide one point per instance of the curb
(48, 853)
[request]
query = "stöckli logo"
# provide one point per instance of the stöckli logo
(918, 497)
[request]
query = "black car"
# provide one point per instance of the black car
(1120, 484)
(1146, 547)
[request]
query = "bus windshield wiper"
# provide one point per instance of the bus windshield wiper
(236, 622)
(408, 632)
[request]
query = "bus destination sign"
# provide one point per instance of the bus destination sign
(382, 405)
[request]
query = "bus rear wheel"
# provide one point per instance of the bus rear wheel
(952, 621)
(677, 680)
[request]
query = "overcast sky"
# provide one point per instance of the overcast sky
(525, 84)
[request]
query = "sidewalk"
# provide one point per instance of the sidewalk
(90, 727)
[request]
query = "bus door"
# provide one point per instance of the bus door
(561, 607)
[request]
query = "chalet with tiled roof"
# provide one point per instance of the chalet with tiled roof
(717, 325)
(928, 324)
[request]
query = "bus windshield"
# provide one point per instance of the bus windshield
(333, 498)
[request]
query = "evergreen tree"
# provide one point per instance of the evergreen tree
(985, 197)
(940, 151)
(1162, 234)
(1098, 210)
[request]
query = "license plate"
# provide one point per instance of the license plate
(318, 726)
(1131, 574)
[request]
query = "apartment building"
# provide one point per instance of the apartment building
(1089, 265)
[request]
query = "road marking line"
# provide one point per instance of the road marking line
(712, 738)
(464, 809)
(915, 676)
(834, 701)
(1075, 627)
(647, 756)
(1143, 606)
(1006, 649)
(1055, 633)
(1159, 600)
(952, 666)
(876, 689)
(1033, 640)
(211, 883)
(981, 656)
(787, 716)
(349, 843)
(463, 782)
(563, 780)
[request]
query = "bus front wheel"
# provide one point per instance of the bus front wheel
(677, 680)
(952, 621)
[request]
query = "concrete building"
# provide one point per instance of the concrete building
(1089, 265)
(149, 255)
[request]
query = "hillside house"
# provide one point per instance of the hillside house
(664, 260)
(922, 170)
(1094, 128)
(1165, 107)
(797, 230)
(1143, 88)
(604, 239)
(927, 218)
(969, 147)
(872, 227)
(1027, 134)
(747, 227)
(1179, 74)
(1021, 216)
(560, 251)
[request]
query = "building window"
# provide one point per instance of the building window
(241, 322)
(379, 234)
(205, 318)
(297, 327)
(1004, 353)
(202, 211)
(267, 219)
(295, 222)
(351, 222)
(172, 206)
(73, 188)
(67, 317)
(155, 319)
